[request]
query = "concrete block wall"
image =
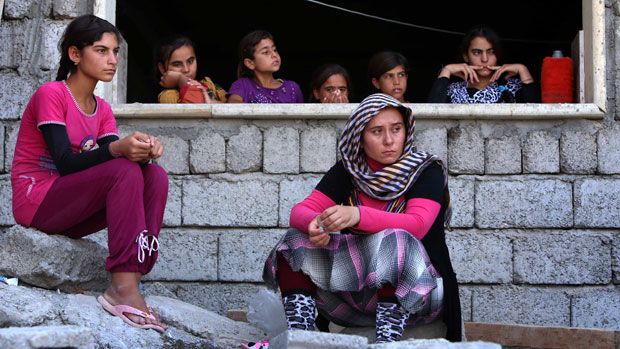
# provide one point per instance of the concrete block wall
(532, 248)
(536, 217)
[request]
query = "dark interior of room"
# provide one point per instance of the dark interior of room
(309, 34)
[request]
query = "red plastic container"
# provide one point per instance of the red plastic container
(556, 81)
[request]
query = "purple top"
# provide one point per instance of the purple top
(251, 92)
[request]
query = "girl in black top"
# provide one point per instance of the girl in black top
(484, 80)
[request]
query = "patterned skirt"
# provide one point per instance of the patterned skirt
(351, 268)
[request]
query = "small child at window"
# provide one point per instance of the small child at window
(258, 61)
(177, 67)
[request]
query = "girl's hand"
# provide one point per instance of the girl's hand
(135, 147)
(336, 97)
(316, 234)
(462, 70)
(512, 70)
(339, 217)
(202, 88)
(157, 149)
(172, 79)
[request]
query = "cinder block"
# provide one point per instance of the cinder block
(216, 297)
(520, 305)
(9, 144)
(208, 153)
(8, 36)
(281, 152)
(186, 255)
(15, 94)
(466, 150)
(175, 159)
(595, 203)
(318, 149)
(573, 258)
(172, 214)
(6, 204)
(26, 37)
(597, 308)
(244, 152)
(578, 152)
(17, 9)
(292, 191)
(69, 8)
(608, 142)
(31, 47)
(528, 203)
(541, 153)
(433, 141)
(462, 198)
(480, 257)
(50, 34)
(242, 254)
(465, 294)
(503, 156)
(250, 203)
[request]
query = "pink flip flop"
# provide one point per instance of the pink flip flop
(121, 310)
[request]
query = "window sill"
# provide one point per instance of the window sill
(342, 111)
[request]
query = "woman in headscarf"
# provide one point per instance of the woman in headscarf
(367, 246)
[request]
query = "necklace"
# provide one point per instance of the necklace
(77, 105)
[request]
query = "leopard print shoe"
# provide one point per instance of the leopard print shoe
(391, 320)
(300, 311)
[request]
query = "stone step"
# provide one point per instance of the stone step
(52, 261)
(43, 311)
(47, 337)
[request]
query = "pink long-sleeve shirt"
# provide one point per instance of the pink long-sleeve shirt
(419, 215)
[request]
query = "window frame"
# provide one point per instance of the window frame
(595, 89)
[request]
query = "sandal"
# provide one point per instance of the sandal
(121, 310)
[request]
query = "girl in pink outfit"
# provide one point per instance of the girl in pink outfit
(63, 184)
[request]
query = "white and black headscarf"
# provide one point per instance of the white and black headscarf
(392, 181)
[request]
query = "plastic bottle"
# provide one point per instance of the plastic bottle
(556, 81)
(266, 312)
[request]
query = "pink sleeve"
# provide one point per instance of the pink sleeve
(417, 219)
(304, 212)
(108, 123)
(50, 105)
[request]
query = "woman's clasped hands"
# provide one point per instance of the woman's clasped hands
(333, 219)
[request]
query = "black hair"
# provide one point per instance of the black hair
(384, 61)
(81, 32)
(247, 46)
(167, 47)
(482, 31)
(322, 73)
